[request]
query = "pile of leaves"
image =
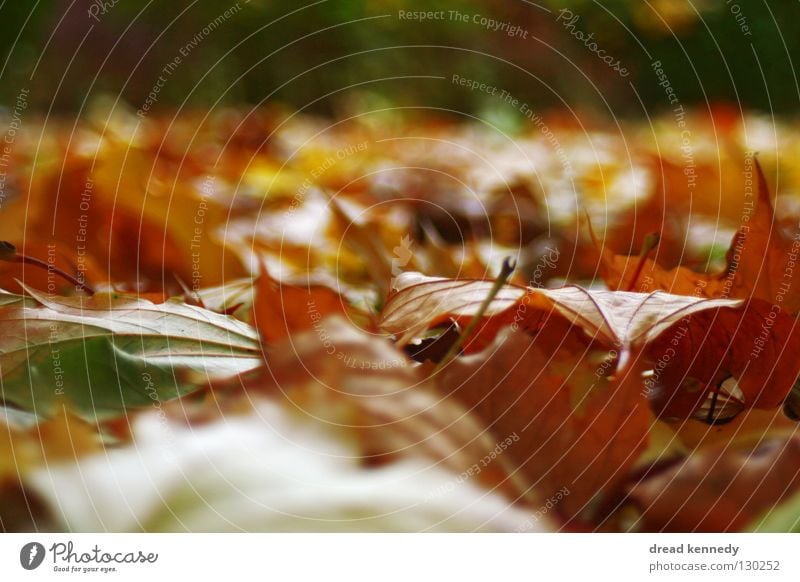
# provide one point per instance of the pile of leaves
(265, 321)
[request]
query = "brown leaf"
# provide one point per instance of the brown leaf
(615, 318)
(339, 375)
(280, 310)
(761, 262)
(578, 427)
(720, 488)
(746, 356)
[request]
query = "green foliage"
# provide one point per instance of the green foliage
(321, 55)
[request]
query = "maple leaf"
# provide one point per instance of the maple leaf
(280, 309)
(621, 319)
(714, 364)
(706, 362)
(578, 429)
(761, 262)
(552, 393)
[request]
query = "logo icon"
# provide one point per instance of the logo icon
(31, 555)
(402, 255)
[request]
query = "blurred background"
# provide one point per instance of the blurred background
(331, 55)
(154, 147)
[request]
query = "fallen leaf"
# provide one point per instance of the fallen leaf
(112, 351)
(761, 262)
(280, 309)
(621, 319)
(734, 358)
(719, 489)
(576, 426)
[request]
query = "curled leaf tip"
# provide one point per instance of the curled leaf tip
(650, 242)
(509, 264)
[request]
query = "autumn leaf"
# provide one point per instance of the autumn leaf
(716, 363)
(112, 351)
(621, 319)
(720, 488)
(419, 302)
(280, 309)
(705, 359)
(300, 379)
(578, 426)
(761, 261)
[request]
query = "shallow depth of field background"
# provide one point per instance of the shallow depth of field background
(336, 55)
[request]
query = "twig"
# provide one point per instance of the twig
(505, 272)
(8, 253)
(650, 242)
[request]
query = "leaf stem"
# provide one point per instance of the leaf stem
(505, 272)
(650, 242)
(8, 253)
(713, 407)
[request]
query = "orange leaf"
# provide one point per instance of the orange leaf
(748, 356)
(577, 428)
(620, 319)
(280, 310)
(760, 262)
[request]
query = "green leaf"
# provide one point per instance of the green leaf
(111, 351)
